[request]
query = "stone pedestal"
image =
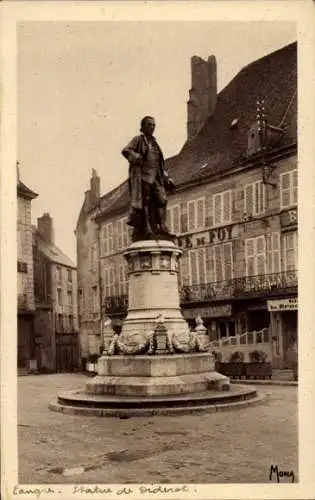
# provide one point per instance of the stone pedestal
(153, 291)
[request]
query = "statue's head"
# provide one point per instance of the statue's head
(147, 125)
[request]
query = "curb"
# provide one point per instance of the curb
(288, 383)
(101, 412)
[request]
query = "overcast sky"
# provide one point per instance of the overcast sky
(83, 87)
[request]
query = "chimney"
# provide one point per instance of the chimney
(202, 95)
(45, 228)
(95, 188)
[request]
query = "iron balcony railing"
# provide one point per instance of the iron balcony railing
(116, 304)
(263, 285)
(250, 286)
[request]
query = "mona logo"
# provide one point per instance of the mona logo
(280, 474)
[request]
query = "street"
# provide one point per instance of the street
(237, 446)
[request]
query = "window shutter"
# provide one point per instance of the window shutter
(124, 232)
(112, 281)
(191, 215)
(285, 189)
(218, 263)
(176, 220)
(217, 209)
(228, 261)
(294, 187)
(193, 267)
(276, 263)
(210, 265)
(110, 237)
(249, 256)
(184, 217)
(260, 255)
(248, 199)
(184, 270)
(208, 211)
(105, 239)
(201, 266)
(201, 213)
(227, 206)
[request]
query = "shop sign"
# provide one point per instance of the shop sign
(209, 312)
(282, 305)
(211, 237)
(288, 218)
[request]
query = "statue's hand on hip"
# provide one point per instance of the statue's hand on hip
(135, 158)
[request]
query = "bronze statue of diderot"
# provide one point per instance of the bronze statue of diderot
(149, 184)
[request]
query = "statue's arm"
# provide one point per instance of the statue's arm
(131, 151)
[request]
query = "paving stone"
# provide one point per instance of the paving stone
(222, 447)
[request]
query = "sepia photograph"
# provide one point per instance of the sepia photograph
(157, 302)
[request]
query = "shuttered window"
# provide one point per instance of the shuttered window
(255, 198)
(219, 262)
(197, 262)
(222, 208)
(109, 281)
(200, 213)
(273, 253)
(173, 219)
(191, 215)
(288, 189)
(290, 250)
(123, 279)
(196, 214)
(184, 270)
(255, 256)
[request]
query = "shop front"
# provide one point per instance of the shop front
(284, 330)
(217, 319)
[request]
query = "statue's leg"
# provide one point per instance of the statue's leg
(146, 195)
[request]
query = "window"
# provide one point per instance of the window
(69, 299)
(121, 234)
(196, 214)
(222, 262)
(222, 208)
(255, 256)
(197, 265)
(81, 300)
(273, 253)
(95, 307)
(109, 281)
(59, 297)
(290, 250)
(123, 279)
(59, 274)
(69, 273)
(288, 189)
(255, 198)
(173, 219)
(93, 258)
(70, 322)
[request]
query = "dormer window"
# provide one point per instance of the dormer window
(253, 140)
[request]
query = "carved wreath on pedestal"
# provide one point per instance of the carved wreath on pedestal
(151, 344)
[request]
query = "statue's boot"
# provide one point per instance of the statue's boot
(162, 215)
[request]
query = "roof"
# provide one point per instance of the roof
(25, 192)
(218, 146)
(52, 252)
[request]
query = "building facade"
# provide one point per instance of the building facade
(234, 213)
(25, 277)
(56, 319)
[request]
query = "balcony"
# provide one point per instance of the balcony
(116, 305)
(263, 285)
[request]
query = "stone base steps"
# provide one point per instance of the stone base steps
(79, 402)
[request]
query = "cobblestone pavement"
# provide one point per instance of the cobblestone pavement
(235, 446)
